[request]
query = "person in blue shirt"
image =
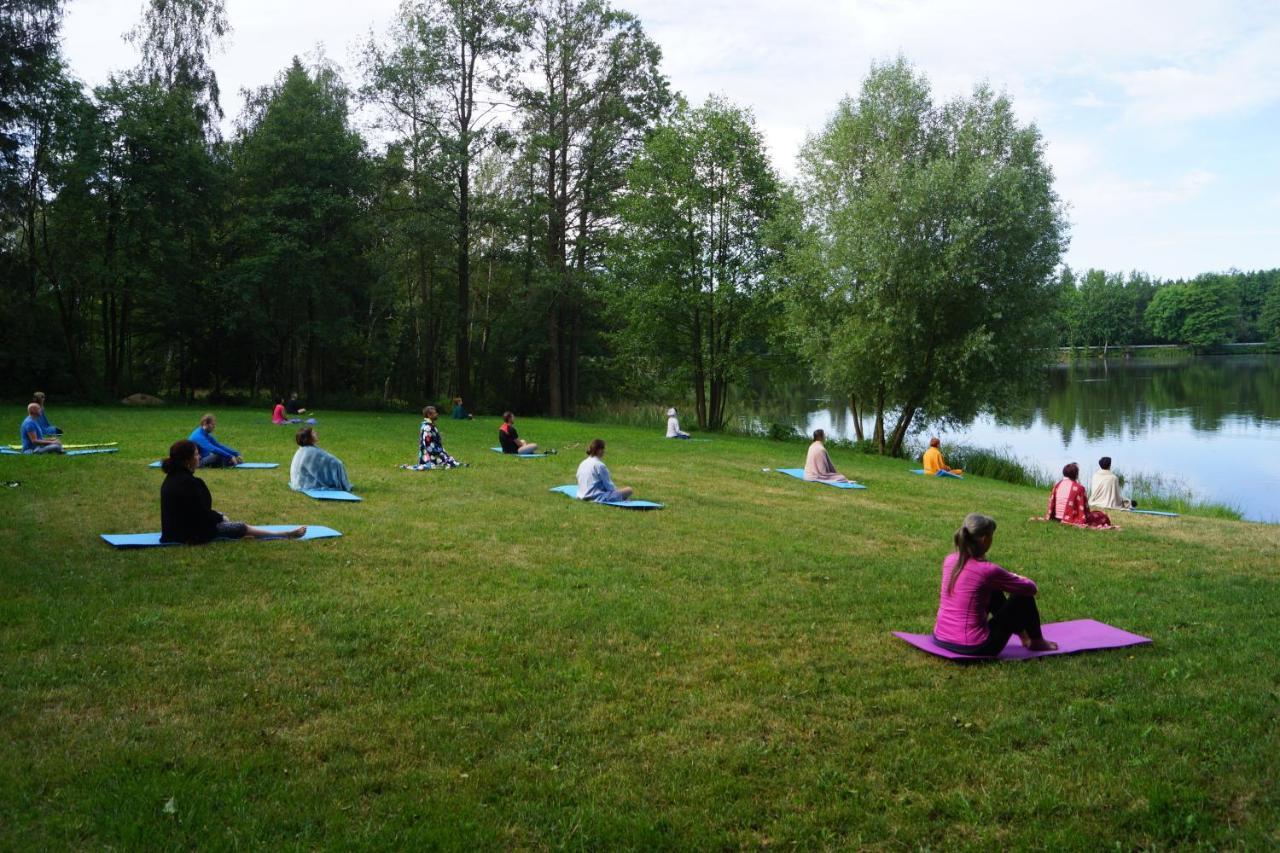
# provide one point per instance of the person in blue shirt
(45, 426)
(213, 454)
(33, 437)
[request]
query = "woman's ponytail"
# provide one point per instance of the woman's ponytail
(968, 541)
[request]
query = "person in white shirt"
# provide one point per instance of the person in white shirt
(1104, 488)
(673, 425)
(594, 482)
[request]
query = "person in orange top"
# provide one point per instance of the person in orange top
(933, 461)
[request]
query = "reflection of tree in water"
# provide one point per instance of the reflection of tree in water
(1102, 400)
(1098, 400)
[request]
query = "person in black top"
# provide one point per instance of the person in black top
(186, 507)
(510, 440)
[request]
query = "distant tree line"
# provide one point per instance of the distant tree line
(1101, 309)
(541, 223)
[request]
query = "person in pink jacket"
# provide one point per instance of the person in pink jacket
(980, 605)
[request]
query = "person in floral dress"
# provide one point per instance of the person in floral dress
(430, 447)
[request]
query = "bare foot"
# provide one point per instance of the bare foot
(1041, 645)
(296, 533)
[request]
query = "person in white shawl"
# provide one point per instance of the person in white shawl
(313, 468)
(817, 465)
(1104, 488)
(673, 425)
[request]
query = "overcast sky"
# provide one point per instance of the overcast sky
(1162, 118)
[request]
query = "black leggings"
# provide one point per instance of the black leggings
(1009, 615)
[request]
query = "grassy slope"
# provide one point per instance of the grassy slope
(481, 663)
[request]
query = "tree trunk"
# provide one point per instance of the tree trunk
(857, 416)
(878, 437)
(900, 431)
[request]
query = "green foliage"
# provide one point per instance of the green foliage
(935, 233)
(690, 269)
(299, 235)
(1203, 313)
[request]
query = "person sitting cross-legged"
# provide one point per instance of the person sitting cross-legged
(47, 428)
(1069, 504)
(186, 507)
(511, 441)
(1104, 488)
(980, 604)
(933, 461)
(430, 445)
(594, 482)
(673, 425)
(818, 467)
(34, 439)
(213, 453)
(313, 468)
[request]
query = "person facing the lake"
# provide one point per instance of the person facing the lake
(33, 438)
(213, 453)
(510, 440)
(1069, 504)
(186, 507)
(460, 412)
(980, 604)
(1104, 488)
(430, 445)
(45, 427)
(313, 468)
(933, 461)
(673, 425)
(594, 482)
(818, 466)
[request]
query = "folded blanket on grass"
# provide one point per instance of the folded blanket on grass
(572, 491)
(1078, 635)
(798, 473)
(152, 540)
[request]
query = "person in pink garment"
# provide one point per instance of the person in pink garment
(818, 466)
(980, 605)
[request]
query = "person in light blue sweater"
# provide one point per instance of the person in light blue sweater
(213, 453)
(594, 482)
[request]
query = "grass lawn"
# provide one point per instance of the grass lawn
(479, 663)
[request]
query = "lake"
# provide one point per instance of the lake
(1210, 424)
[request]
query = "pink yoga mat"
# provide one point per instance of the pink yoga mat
(1078, 635)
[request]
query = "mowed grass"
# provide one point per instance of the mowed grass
(479, 663)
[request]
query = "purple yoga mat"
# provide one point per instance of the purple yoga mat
(1078, 635)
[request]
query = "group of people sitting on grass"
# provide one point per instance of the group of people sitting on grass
(282, 411)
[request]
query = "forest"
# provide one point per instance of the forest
(508, 202)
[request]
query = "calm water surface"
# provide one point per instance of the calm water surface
(1211, 424)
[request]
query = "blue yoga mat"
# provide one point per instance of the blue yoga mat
(250, 465)
(330, 495)
(798, 473)
(152, 540)
(1153, 512)
(572, 491)
(521, 455)
(920, 472)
